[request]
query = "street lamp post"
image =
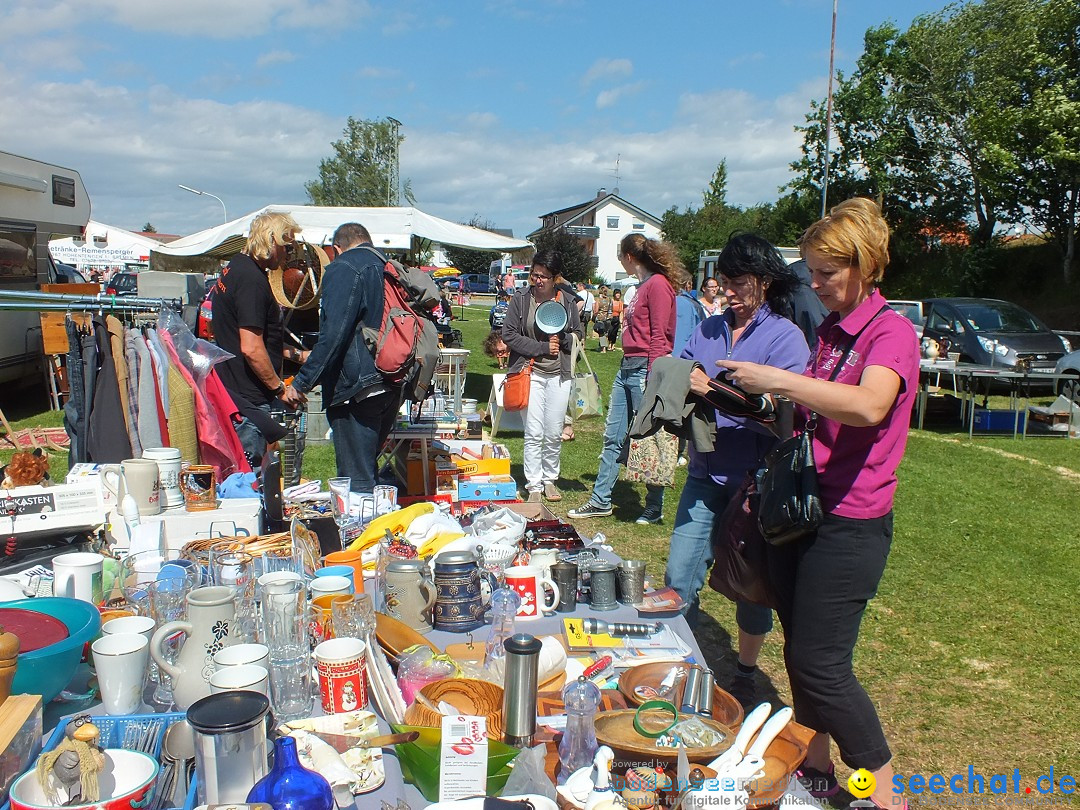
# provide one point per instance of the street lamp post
(207, 194)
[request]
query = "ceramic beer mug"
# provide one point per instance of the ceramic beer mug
(410, 594)
(168, 462)
(139, 476)
(210, 627)
(459, 603)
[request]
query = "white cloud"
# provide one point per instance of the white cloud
(607, 68)
(483, 120)
(275, 58)
(609, 98)
(223, 19)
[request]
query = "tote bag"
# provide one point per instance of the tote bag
(585, 399)
(652, 459)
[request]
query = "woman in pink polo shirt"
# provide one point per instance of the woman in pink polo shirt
(861, 380)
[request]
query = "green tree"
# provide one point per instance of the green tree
(360, 171)
(577, 263)
(473, 261)
(148, 228)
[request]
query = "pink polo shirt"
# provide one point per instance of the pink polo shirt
(857, 465)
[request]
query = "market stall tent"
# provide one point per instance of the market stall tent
(103, 246)
(392, 229)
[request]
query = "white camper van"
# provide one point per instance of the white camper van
(37, 202)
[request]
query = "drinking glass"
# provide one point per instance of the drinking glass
(236, 570)
(137, 571)
(285, 633)
(339, 499)
(354, 616)
(167, 604)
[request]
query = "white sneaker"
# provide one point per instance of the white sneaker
(683, 461)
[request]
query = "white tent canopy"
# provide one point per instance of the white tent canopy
(396, 229)
(102, 246)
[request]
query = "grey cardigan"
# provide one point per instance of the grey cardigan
(523, 347)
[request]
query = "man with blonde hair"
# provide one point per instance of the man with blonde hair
(247, 324)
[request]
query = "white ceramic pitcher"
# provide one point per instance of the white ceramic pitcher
(210, 626)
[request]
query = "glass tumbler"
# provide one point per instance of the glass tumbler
(285, 633)
(236, 570)
(167, 604)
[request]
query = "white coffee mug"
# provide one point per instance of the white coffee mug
(324, 586)
(120, 661)
(251, 677)
(137, 625)
(528, 582)
(78, 576)
(168, 462)
(239, 655)
(139, 476)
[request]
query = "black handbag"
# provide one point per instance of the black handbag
(789, 506)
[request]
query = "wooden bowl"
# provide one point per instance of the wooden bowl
(395, 636)
(726, 709)
(782, 757)
(467, 696)
(616, 730)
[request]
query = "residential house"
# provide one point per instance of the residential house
(600, 224)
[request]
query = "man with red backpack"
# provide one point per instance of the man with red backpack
(360, 401)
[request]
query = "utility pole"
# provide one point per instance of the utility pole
(828, 117)
(393, 179)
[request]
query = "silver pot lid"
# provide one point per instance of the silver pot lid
(406, 566)
(455, 558)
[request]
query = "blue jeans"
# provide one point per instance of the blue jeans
(626, 395)
(360, 429)
(690, 553)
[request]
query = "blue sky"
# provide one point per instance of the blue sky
(510, 109)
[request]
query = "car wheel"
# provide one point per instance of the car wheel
(1069, 388)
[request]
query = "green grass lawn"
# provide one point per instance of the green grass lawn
(970, 649)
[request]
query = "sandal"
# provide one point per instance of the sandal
(567, 434)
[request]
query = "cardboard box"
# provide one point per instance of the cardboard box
(20, 738)
(53, 509)
(234, 517)
(501, 488)
(89, 474)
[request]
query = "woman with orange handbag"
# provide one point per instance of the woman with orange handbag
(547, 359)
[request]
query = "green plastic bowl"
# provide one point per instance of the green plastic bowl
(48, 671)
(419, 761)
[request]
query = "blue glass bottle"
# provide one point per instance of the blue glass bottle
(291, 786)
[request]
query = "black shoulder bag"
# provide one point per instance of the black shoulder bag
(789, 506)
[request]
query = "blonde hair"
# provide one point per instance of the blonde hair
(654, 255)
(853, 232)
(268, 230)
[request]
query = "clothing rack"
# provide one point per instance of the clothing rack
(61, 302)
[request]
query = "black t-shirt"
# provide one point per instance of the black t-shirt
(243, 299)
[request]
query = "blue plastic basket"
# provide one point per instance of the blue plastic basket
(115, 732)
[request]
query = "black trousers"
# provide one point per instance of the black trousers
(823, 582)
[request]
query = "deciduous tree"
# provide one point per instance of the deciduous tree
(360, 169)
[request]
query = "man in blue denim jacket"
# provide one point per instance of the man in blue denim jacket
(360, 404)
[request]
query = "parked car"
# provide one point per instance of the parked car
(990, 332)
(67, 274)
(204, 324)
(1069, 364)
(123, 284)
(912, 310)
(476, 283)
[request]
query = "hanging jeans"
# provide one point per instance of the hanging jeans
(548, 398)
(626, 395)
